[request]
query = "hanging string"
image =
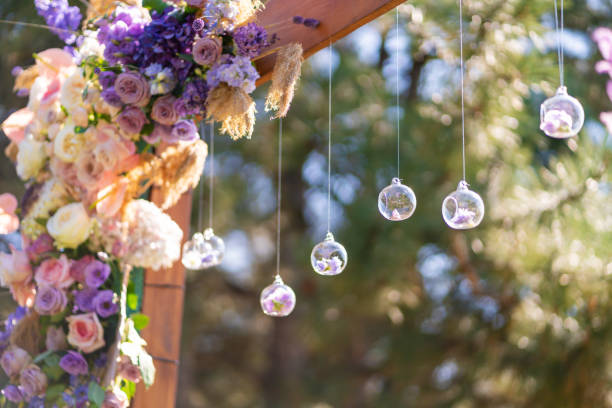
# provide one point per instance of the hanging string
(46, 27)
(278, 195)
(559, 32)
(329, 143)
(212, 175)
(397, 95)
(462, 86)
(201, 189)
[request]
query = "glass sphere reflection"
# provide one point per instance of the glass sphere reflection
(278, 299)
(192, 252)
(463, 209)
(396, 202)
(328, 257)
(203, 251)
(562, 115)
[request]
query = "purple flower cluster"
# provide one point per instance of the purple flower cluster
(120, 36)
(236, 71)
(93, 274)
(74, 363)
(9, 325)
(193, 99)
(64, 19)
(250, 40)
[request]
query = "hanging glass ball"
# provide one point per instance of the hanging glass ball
(562, 115)
(278, 299)
(192, 252)
(214, 249)
(463, 209)
(396, 202)
(328, 257)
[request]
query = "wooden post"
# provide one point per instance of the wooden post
(164, 290)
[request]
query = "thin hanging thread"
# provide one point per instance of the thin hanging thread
(462, 87)
(278, 195)
(201, 190)
(559, 32)
(397, 95)
(329, 143)
(212, 176)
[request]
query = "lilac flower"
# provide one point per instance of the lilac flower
(74, 363)
(96, 273)
(335, 264)
(298, 20)
(193, 99)
(222, 10)
(77, 268)
(556, 120)
(463, 216)
(311, 22)
(163, 82)
(120, 36)
(198, 25)
(59, 15)
(36, 402)
(84, 299)
(16, 71)
(278, 300)
(250, 40)
(321, 265)
(12, 393)
(107, 79)
(49, 300)
(104, 303)
(110, 96)
(236, 71)
(184, 131)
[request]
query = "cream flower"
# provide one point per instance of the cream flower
(70, 226)
(71, 95)
(68, 144)
(52, 196)
(30, 158)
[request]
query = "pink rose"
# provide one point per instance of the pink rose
(56, 339)
(133, 88)
(127, 370)
(131, 120)
(207, 50)
(14, 267)
(13, 360)
(163, 110)
(85, 332)
(33, 381)
(8, 220)
(14, 126)
(55, 272)
(77, 269)
(115, 399)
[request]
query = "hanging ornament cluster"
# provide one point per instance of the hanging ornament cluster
(562, 115)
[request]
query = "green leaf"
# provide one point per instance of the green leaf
(132, 301)
(41, 221)
(157, 5)
(129, 388)
(54, 391)
(140, 320)
(186, 57)
(42, 356)
(95, 393)
(79, 129)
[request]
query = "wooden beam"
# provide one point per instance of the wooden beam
(338, 18)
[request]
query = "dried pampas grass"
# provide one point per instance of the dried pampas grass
(247, 10)
(234, 108)
(98, 8)
(26, 78)
(286, 73)
(27, 334)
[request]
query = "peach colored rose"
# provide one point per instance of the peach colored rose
(52, 61)
(111, 198)
(8, 220)
(55, 272)
(85, 332)
(14, 267)
(14, 126)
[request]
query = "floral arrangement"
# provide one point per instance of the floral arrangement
(110, 115)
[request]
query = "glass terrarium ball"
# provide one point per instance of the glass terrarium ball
(278, 299)
(463, 208)
(214, 249)
(396, 202)
(192, 252)
(328, 257)
(562, 115)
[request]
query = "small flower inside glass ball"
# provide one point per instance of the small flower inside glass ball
(561, 116)
(396, 202)
(328, 257)
(214, 249)
(463, 209)
(192, 252)
(278, 299)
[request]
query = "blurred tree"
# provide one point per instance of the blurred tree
(513, 314)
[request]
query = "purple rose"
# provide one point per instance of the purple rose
(131, 120)
(33, 381)
(96, 273)
(185, 131)
(159, 132)
(104, 303)
(163, 110)
(42, 245)
(110, 97)
(107, 79)
(56, 339)
(50, 300)
(77, 269)
(74, 363)
(133, 88)
(14, 360)
(197, 3)
(83, 299)
(12, 393)
(207, 50)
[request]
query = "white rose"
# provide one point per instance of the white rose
(71, 95)
(38, 89)
(30, 158)
(70, 225)
(68, 144)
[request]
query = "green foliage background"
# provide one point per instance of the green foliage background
(516, 313)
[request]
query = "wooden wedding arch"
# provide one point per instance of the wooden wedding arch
(164, 290)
